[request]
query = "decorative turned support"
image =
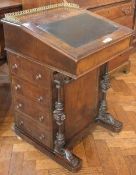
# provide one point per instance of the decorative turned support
(59, 116)
(103, 116)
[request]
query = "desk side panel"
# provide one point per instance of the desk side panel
(81, 104)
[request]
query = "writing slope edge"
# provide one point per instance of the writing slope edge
(37, 48)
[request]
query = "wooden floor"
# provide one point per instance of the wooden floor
(103, 152)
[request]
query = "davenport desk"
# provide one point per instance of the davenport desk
(58, 58)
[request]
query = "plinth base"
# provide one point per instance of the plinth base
(49, 152)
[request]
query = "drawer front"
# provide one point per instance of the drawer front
(102, 56)
(97, 3)
(33, 129)
(118, 61)
(115, 11)
(29, 70)
(33, 110)
(28, 90)
(126, 21)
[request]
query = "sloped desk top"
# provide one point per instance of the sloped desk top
(74, 41)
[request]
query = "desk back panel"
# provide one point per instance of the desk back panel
(92, 3)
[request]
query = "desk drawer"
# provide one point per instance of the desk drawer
(28, 90)
(125, 20)
(35, 111)
(97, 3)
(115, 11)
(33, 129)
(29, 70)
(120, 60)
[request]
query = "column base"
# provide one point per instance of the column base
(67, 159)
(109, 122)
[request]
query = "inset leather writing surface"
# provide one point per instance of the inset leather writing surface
(79, 30)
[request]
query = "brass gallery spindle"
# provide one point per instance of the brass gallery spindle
(13, 17)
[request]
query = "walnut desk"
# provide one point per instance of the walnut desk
(58, 66)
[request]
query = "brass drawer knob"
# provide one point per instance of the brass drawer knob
(21, 123)
(41, 119)
(38, 77)
(40, 99)
(19, 106)
(42, 137)
(15, 66)
(17, 87)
